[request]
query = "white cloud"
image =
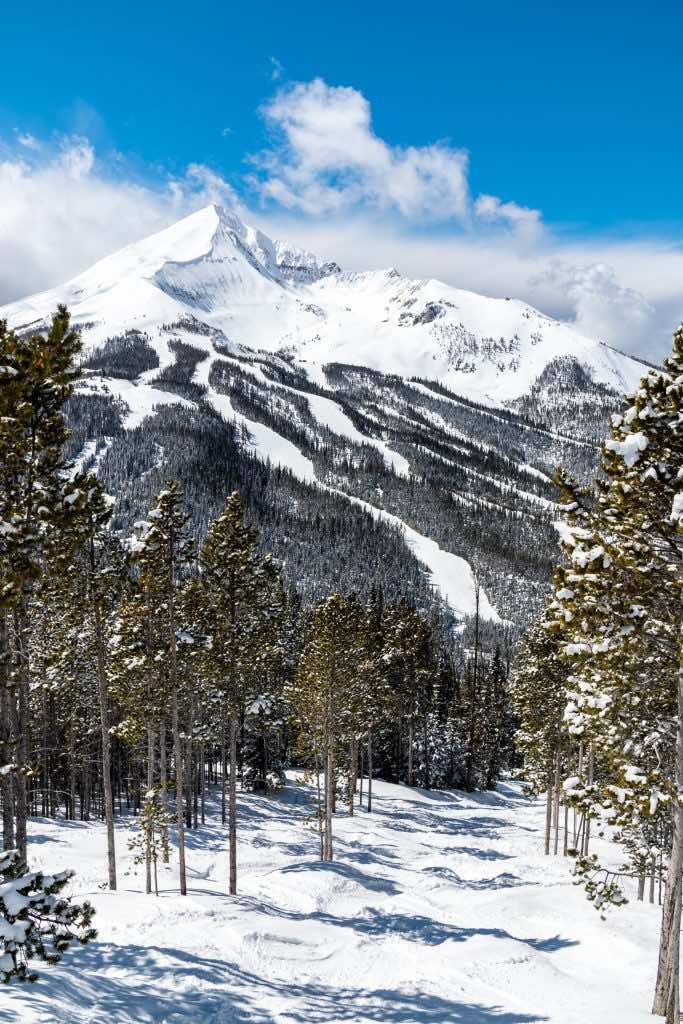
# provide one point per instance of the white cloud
(62, 209)
(602, 307)
(335, 187)
(326, 158)
(277, 69)
(525, 221)
(77, 157)
(27, 140)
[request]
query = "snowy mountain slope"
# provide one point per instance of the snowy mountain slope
(451, 575)
(439, 413)
(439, 907)
(268, 295)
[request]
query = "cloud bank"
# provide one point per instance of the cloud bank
(63, 208)
(328, 182)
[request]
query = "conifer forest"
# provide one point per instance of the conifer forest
(155, 676)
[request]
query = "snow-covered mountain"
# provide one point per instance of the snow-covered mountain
(268, 295)
(428, 417)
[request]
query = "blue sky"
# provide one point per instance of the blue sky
(571, 113)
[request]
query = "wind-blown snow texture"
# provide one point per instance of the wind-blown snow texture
(233, 296)
(439, 909)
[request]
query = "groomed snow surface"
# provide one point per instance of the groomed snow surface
(440, 908)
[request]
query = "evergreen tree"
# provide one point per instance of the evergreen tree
(539, 696)
(36, 920)
(409, 662)
(38, 375)
(151, 843)
(324, 694)
(619, 602)
(497, 732)
(147, 642)
(238, 608)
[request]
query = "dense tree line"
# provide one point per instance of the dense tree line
(143, 664)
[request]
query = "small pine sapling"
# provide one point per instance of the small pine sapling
(151, 842)
(37, 922)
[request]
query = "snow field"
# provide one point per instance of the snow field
(440, 908)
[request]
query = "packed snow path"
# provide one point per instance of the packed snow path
(439, 909)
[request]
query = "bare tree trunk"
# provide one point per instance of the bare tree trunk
(548, 815)
(641, 887)
(410, 752)
(369, 771)
(103, 697)
(587, 821)
(72, 769)
(652, 880)
(360, 778)
(469, 775)
(425, 740)
(556, 802)
(329, 801)
(232, 801)
(179, 793)
(223, 774)
(667, 997)
(19, 708)
(163, 776)
(202, 790)
(353, 758)
(5, 739)
(319, 806)
(576, 821)
(189, 772)
(163, 765)
(150, 785)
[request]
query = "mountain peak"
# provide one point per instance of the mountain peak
(268, 294)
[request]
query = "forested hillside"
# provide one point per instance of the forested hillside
(217, 357)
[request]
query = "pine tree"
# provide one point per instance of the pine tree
(539, 696)
(147, 642)
(36, 920)
(375, 690)
(324, 694)
(85, 585)
(409, 662)
(238, 608)
(151, 843)
(38, 375)
(619, 602)
(497, 732)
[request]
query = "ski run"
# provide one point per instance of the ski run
(440, 908)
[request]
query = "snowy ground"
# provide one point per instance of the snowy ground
(440, 909)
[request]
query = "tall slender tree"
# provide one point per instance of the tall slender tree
(238, 606)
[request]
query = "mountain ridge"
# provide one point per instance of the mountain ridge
(212, 264)
(410, 409)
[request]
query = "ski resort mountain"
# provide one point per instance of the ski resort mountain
(384, 431)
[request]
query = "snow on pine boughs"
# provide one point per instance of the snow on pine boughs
(37, 922)
(617, 611)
